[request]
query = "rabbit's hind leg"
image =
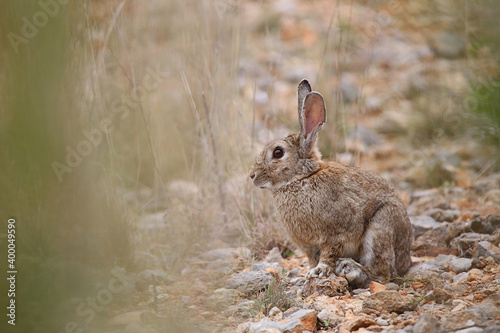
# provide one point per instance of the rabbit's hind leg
(377, 255)
(387, 241)
(376, 262)
(357, 275)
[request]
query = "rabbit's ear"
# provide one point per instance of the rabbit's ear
(303, 89)
(313, 117)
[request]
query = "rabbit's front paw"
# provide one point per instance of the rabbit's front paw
(320, 271)
(353, 272)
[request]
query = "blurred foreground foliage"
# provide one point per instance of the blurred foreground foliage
(69, 232)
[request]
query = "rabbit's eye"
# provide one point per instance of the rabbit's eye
(278, 153)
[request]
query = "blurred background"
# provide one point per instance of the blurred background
(128, 129)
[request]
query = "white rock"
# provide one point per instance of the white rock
(471, 330)
(427, 324)
(275, 314)
(381, 322)
(461, 264)
(462, 277)
(422, 223)
(274, 256)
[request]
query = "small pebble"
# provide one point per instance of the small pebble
(381, 322)
(475, 275)
(359, 291)
(447, 276)
(293, 273)
(392, 286)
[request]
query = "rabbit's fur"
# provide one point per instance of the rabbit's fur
(346, 220)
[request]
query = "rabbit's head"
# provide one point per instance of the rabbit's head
(296, 156)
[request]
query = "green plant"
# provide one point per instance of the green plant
(437, 174)
(484, 102)
(419, 299)
(407, 281)
(273, 296)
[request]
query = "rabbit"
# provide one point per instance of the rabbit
(347, 220)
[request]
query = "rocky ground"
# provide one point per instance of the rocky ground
(453, 286)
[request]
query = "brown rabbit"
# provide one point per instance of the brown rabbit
(334, 213)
